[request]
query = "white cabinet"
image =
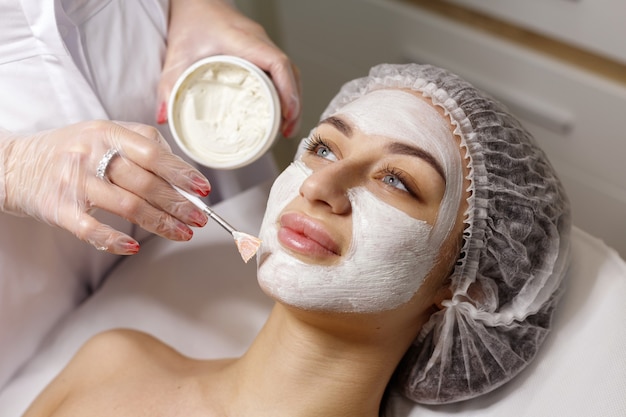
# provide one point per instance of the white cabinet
(595, 25)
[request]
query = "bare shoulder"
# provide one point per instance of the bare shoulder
(111, 351)
(101, 361)
(111, 345)
(119, 344)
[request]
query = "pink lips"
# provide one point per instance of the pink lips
(306, 236)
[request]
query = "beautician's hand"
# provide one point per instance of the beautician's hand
(52, 176)
(201, 28)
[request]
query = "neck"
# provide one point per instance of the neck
(296, 367)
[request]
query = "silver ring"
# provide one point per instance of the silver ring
(104, 163)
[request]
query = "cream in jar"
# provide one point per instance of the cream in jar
(224, 112)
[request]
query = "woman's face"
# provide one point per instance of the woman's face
(354, 224)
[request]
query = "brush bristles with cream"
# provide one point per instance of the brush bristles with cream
(247, 245)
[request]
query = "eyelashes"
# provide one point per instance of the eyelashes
(317, 147)
(312, 143)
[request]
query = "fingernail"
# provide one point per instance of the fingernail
(198, 218)
(130, 247)
(200, 185)
(290, 129)
(162, 114)
(185, 232)
(203, 191)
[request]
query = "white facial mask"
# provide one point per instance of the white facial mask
(387, 261)
(391, 253)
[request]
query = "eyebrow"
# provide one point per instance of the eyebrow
(339, 124)
(404, 149)
(394, 147)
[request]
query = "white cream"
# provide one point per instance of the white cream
(391, 253)
(389, 256)
(223, 114)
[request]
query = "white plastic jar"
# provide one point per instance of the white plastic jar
(224, 112)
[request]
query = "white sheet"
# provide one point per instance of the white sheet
(203, 300)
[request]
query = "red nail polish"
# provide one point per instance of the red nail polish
(131, 247)
(200, 186)
(201, 191)
(185, 232)
(162, 114)
(199, 219)
(288, 130)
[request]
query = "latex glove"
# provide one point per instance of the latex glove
(51, 176)
(201, 28)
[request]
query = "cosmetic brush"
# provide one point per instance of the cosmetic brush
(247, 245)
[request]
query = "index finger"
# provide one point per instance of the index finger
(147, 131)
(147, 148)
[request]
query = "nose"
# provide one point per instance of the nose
(328, 185)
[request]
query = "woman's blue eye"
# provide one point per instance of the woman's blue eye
(317, 146)
(322, 151)
(394, 181)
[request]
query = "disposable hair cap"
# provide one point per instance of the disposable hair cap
(515, 251)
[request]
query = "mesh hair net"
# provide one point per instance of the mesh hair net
(507, 279)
